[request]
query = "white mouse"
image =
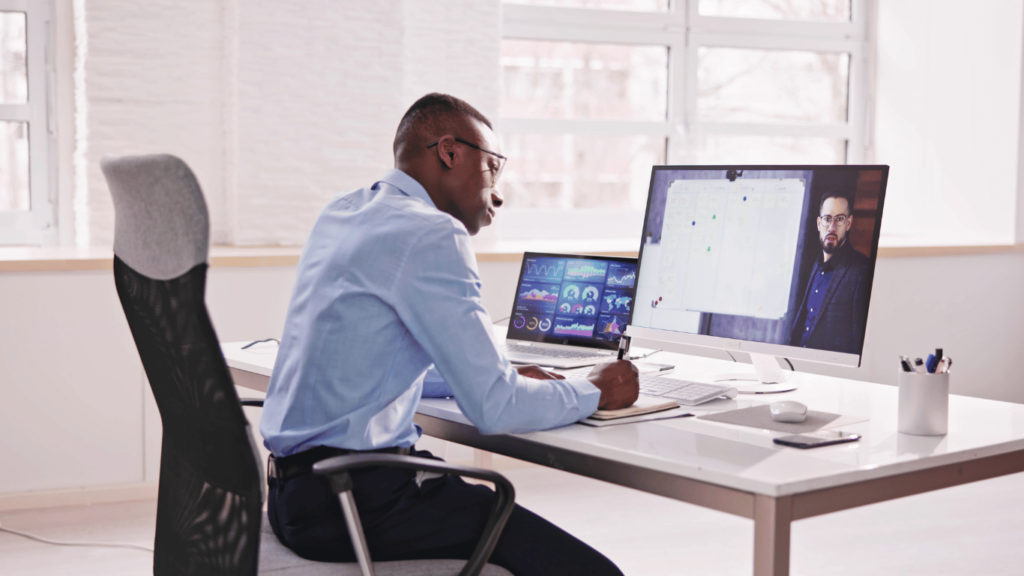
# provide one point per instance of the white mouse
(788, 411)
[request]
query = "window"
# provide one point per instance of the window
(597, 91)
(27, 196)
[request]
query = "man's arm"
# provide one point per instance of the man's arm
(437, 296)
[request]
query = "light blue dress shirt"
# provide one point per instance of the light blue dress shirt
(388, 285)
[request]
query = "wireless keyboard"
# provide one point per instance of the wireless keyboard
(685, 392)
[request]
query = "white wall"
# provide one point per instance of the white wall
(276, 106)
(947, 120)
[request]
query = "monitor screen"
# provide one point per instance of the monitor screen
(575, 300)
(775, 255)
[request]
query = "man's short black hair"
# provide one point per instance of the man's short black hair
(835, 194)
(433, 116)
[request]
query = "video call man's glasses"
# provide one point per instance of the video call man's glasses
(501, 162)
(840, 219)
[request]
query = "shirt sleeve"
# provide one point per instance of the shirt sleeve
(437, 295)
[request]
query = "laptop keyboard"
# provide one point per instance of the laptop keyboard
(685, 392)
(552, 352)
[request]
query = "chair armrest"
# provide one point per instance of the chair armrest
(251, 402)
(337, 470)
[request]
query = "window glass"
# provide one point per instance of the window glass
(815, 10)
(14, 190)
(13, 75)
(631, 5)
(774, 86)
(765, 150)
(589, 81)
(565, 171)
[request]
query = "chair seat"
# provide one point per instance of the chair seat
(278, 560)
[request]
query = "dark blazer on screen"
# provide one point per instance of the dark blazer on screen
(839, 327)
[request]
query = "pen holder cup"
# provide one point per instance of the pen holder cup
(923, 404)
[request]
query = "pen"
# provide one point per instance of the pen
(905, 364)
(919, 366)
(623, 346)
(932, 363)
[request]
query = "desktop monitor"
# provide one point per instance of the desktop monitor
(775, 261)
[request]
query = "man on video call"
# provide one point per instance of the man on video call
(388, 285)
(833, 310)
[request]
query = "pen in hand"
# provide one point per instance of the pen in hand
(623, 346)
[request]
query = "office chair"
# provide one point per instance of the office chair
(211, 492)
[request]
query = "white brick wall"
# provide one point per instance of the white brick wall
(153, 81)
(277, 106)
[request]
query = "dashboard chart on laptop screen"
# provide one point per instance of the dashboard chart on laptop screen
(564, 299)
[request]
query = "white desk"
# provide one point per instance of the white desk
(738, 469)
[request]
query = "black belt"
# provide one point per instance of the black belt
(285, 468)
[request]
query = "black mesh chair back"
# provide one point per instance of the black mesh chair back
(210, 494)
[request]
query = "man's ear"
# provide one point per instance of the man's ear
(447, 151)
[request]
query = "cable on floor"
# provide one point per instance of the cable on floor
(90, 544)
(255, 342)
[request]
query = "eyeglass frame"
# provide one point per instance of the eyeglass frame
(480, 148)
(831, 219)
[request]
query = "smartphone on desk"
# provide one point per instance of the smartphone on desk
(815, 439)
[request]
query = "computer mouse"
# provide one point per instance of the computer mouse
(788, 411)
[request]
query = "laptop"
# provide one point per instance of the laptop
(570, 310)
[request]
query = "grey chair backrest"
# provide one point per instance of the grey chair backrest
(161, 226)
(211, 482)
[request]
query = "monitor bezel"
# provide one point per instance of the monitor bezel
(685, 339)
(592, 343)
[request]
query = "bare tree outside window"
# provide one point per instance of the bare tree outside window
(575, 80)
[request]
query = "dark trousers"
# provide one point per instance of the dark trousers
(442, 518)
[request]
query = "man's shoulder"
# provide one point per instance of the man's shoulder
(856, 260)
(395, 207)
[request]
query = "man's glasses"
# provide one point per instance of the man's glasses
(839, 220)
(501, 159)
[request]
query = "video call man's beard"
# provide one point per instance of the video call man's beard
(830, 249)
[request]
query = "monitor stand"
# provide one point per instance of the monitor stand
(766, 378)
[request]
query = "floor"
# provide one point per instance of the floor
(968, 530)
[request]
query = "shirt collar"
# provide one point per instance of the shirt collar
(407, 185)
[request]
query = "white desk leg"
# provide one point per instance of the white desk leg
(772, 517)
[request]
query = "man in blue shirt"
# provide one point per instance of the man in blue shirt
(388, 285)
(834, 308)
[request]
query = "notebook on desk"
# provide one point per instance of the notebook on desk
(570, 310)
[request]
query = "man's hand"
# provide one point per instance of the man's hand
(618, 382)
(538, 373)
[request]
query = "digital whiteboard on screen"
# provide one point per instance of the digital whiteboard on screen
(728, 247)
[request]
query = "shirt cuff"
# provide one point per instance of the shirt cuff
(588, 395)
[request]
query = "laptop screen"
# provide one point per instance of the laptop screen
(572, 299)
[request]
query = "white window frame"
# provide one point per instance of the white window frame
(38, 225)
(684, 32)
